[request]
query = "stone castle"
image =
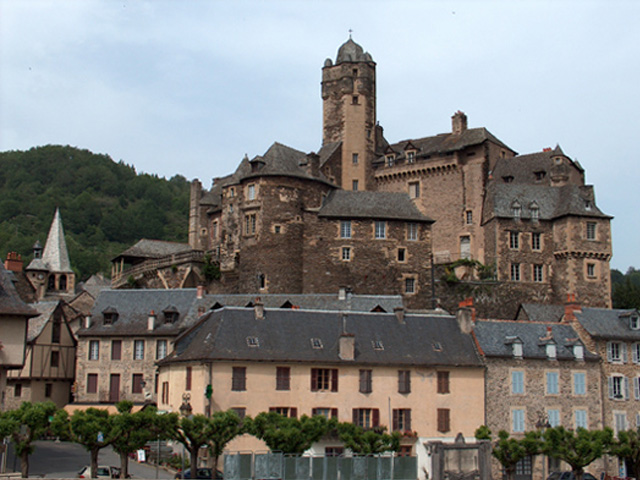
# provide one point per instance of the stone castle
(434, 219)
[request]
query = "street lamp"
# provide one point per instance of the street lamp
(542, 424)
(186, 410)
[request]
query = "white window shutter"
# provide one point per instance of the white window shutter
(609, 354)
(636, 387)
(626, 388)
(610, 387)
(623, 346)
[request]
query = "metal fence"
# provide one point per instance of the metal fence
(277, 466)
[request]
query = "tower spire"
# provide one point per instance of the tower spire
(56, 255)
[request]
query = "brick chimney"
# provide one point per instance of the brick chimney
(258, 309)
(200, 292)
(13, 262)
(466, 315)
(458, 123)
(152, 320)
(571, 307)
(347, 346)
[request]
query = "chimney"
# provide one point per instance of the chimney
(151, 321)
(347, 346)
(468, 303)
(342, 293)
(200, 292)
(399, 312)
(13, 262)
(87, 321)
(571, 307)
(458, 123)
(258, 308)
(465, 317)
(312, 164)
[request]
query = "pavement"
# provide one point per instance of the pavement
(52, 459)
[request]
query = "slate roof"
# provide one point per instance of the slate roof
(154, 249)
(316, 301)
(379, 205)
(494, 336)
(444, 142)
(95, 284)
(10, 301)
(45, 309)
(55, 257)
(552, 202)
(134, 307)
(350, 51)
(522, 167)
(541, 312)
(609, 324)
(285, 335)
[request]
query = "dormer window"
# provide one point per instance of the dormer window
(516, 210)
(507, 178)
(253, 342)
(377, 344)
(390, 160)
(634, 322)
(578, 351)
(316, 343)
(550, 349)
(110, 316)
(516, 346)
(535, 211)
(171, 314)
(588, 205)
(540, 175)
(411, 156)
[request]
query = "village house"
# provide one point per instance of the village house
(416, 374)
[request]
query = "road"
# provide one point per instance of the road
(64, 460)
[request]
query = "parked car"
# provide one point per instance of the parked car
(201, 474)
(569, 476)
(104, 471)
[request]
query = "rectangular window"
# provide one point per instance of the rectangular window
(283, 378)
(365, 381)
(517, 420)
(250, 224)
(55, 330)
(515, 272)
(404, 381)
(579, 383)
(240, 411)
(401, 419)
(290, 412)
(381, 229)
(354, 156)
(538, 273)
(411, 157)
(412, 231)
(17, 390)
(618, 387)
(214, 230)
(535, 241)
(94, 349)
(324, 379)
(552, 383)
(116, 349)
(55, 359)
(444, 420)
(409, 285)
(165, 392)
(580, 419)
(620, 421)
(517, 382)
(325, 412)
(443, 382)
(354, 185)
(345, 229)
(346, 254)
(92, 383)
(414, 189)
(514, 240)
(616, 352)
(136, 383)
(239, 379)
(138, 349)
(251, 192)
(366, 417)
(553, 415)
(402, 255)
(469, 217)
(591, 270)
(48, 390)
(591, 230)
(161, 349)
(390, 160)
(187, 380)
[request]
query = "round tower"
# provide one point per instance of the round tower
(349, 112)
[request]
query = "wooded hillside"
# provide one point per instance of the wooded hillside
(105, 206)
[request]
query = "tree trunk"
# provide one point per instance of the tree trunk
(511, 472)
(94, 462)
(578, 473)
(124, 465)
(194, 461)
(24, 463)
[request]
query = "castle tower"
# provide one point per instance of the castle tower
(349, 112)
(51, 275)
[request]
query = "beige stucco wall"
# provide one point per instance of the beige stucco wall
(13, 332)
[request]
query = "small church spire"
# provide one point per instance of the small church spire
(56, 255)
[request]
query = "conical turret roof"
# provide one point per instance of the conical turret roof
(56, 255)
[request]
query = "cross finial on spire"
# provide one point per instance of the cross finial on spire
(350, 32)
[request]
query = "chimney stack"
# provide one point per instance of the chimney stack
(399, 312)
(151, 321)
(571, 307)
(347, 347)
(342, 293)
(458, 123)
(87, 321)
(200, 292)
(13, 263)
(258, 308)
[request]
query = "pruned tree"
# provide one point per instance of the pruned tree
(193, 432)
(509, 451)
(289, 435)
(25, 425)
(368, 441)
(577, 448)
(627, 449)
(225, 426)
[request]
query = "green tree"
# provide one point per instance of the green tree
(483, 433)
(368, 441)
(225, 426)
(627, 449)
(193, 432)
(289, 435)
(25, 425)
(577, 448)
(92, 428)
(509, 451)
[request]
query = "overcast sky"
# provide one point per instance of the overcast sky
(188, 87)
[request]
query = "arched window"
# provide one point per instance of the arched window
(51, 285)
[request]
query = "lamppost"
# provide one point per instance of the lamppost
(186, 410)
(542, 424)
